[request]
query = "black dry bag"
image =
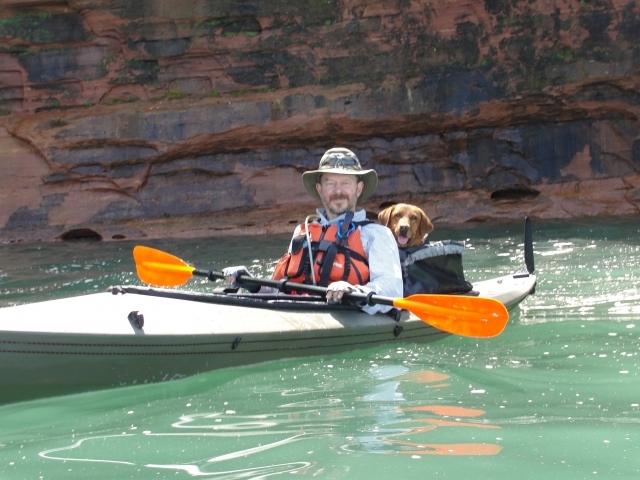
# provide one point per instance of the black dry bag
(435, 267)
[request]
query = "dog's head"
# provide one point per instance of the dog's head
(408, 223)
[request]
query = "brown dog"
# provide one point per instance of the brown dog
(408, 223)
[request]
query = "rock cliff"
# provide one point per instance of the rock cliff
(123, 119)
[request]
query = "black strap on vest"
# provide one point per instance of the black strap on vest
(330, 255)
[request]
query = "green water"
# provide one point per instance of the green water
(556, 396)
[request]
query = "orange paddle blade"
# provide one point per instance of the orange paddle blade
(458, 314)
(159, 268)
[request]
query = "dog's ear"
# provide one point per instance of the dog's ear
(425, 224)
(384, 215)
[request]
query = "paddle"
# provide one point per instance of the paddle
(461, 315)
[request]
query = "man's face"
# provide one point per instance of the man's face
(339, 193)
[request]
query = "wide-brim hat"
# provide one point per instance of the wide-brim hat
(344, 162)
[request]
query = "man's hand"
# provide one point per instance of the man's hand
(336, 290)
(231, 275)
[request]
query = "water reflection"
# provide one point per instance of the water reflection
(224, 443)
(394, 425)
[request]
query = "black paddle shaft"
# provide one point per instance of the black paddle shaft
(285, 286)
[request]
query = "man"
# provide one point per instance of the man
(348, 252)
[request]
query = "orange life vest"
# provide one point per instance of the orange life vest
(337, 255)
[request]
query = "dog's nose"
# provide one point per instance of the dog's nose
(403, 229)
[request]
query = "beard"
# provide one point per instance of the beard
(337, 210)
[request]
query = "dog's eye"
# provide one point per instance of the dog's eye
(413, 217)
(398, 215)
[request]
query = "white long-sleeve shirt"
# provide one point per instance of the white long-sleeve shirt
(385, 274)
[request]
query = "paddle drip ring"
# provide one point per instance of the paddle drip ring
(369, 302)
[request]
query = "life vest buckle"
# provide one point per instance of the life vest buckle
(350, 230)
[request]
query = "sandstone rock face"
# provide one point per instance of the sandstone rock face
(123, 119)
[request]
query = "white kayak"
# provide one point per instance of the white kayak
(136, 335)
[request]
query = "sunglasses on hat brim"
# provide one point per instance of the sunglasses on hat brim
(347, 163)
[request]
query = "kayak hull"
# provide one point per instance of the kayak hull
(107, 340)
